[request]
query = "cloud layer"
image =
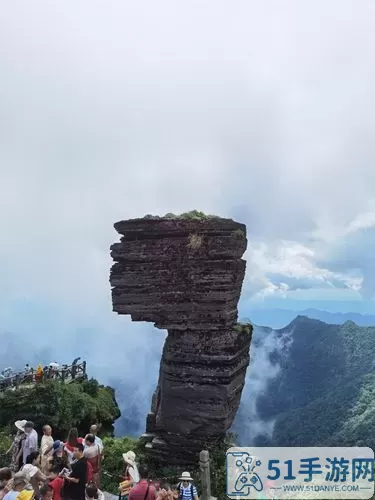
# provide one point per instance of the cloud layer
(264, 112)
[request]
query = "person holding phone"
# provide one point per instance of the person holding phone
(75, 483)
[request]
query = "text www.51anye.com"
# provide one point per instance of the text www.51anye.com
(321, 487)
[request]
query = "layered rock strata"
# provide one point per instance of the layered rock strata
(186, 277)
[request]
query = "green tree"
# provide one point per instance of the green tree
(63, 406)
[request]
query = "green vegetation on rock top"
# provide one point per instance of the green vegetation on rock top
(192, 215)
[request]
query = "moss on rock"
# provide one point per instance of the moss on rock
(245, 328)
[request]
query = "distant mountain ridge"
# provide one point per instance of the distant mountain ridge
(324, 390)
(279, 318)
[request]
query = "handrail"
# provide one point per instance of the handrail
(65, 374)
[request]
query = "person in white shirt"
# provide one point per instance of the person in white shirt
(33, 473)
(92, 454)
(31, 441)
(94, 431)
(46, 446)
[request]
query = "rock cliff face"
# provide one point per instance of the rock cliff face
(186, 276)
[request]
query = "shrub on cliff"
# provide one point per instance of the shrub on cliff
(5, 442)
(63, 406)
(113, 463)
(195, 215)
(245, 328)
(192, 215)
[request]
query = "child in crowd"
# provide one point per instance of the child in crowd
(93, 493)
(45, 492)
(19, 491)
(5, 481)
(56, 482)
(165, 492)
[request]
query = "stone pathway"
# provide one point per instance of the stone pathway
(110, 496)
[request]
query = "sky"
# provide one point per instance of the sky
(260, 111)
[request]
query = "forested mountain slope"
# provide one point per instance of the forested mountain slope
(323, 393)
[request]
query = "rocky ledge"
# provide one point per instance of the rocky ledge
(185, 275)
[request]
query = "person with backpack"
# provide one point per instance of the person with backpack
(186, 488)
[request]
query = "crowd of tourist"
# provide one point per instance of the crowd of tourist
(11, 378)
(49, 469)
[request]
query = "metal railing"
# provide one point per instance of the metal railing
(64, 374)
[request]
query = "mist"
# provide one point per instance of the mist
(126, 356)
(263, 368)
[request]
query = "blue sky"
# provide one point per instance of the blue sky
(112, 113)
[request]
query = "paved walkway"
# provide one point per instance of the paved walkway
(109, 496)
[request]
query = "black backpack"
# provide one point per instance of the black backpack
(179, 486)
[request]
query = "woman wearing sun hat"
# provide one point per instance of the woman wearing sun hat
(16, 448)
(131, 475)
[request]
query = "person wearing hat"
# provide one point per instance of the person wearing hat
(59, 458)
(186, 489)
(131, 475)
(131, 469)
(19, 491)
(16, 448)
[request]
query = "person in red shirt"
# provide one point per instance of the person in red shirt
(71, 443)
(56, 483)
(143, 490)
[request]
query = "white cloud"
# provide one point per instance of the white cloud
(362, 221)
(262, 111)
(288, 266)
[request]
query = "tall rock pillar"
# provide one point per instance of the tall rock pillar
(185, 275)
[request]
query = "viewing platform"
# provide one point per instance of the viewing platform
(64, 374)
